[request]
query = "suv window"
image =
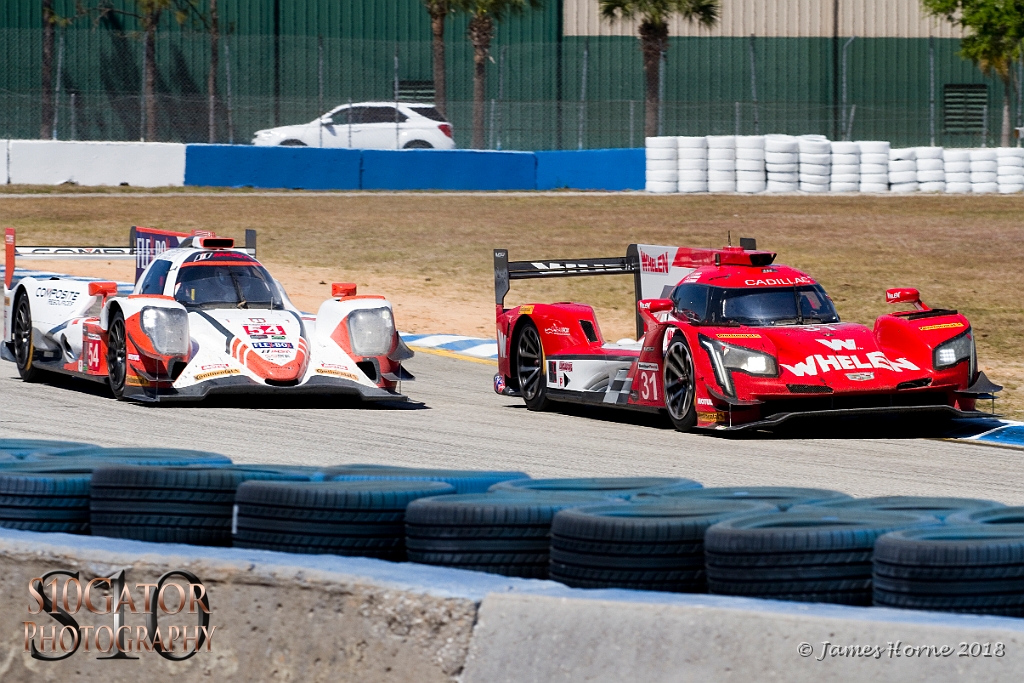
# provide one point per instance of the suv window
(368, 115)
(430, 112)
(156, 277)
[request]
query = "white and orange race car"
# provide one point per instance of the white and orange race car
(204, 318)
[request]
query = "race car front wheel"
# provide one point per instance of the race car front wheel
(530, 367)
(117, 355)
(24, 348)
(679, 385)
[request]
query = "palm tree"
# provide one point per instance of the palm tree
(995, 29)
(654, 16)
(438, 11)
(483, 16)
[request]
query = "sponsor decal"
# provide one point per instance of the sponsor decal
(68, 599)
(203, 376)
(92, 336)
(565, 365)
(257, 336)
(647, 366)
(93, 353)
(133, 356)
(830, 363)
(839, 344)
(499, 384)
(334, 366)
(650, 263)
(57, 297)
(778, 282)
(257, 320)
(263, 330)
(278, 336)
(943, 326)
(502, 344)
(860, 376)
(136, 381)
(557, 330)
(711, 415)
(649, 349)
(215, 366)
(704, 402)
(273, 345)
(526, 310)
(738, 335)
(337, 373)
(81, 365)
(692, 277)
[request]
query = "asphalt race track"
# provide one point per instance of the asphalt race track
(457, 421)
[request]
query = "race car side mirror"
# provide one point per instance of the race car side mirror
(103, 289)
(905, 295)
(649, 307)
(342, 289)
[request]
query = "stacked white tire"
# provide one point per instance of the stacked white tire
(662, 170)
(782, 163)
(692, 162)
(845, 175)
(903, 170)
(931, 169)
(721, 163)
(750, 173)
(957, 167)
(815, 163)
(984, 171)
(1010, 169)
(874, 165)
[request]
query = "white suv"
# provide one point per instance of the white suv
(367, 125)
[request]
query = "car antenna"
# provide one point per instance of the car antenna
(729, 236)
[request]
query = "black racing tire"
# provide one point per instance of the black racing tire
(692, 576)
(293, 143)
(117, 354)
(925, 505)
(488, 530)
(613, 486)
(757, 562)
(418, 144)
(784, 497)
(192, 505)
(692, 561)
(529, 369)
(953, 546)
(342, 517)
(1008, 605)
(51, 502)
(464, 481)
(22, 338)
(679, 385)
(995, 517)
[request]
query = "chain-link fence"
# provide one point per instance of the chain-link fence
(575, 93)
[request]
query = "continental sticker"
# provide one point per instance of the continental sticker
(711, 415)
(526, 310)
(203, 376)
(337, 373)
(943, 326)
(136, 381)
(738, 335)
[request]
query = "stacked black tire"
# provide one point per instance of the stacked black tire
(921, 505)
(783, 497)
(615, 486)
(801, 556)
(191, 505)
(500, 533)
(356, 518)
(972, 568)
(656, 546)
(464, 481)
(54, 502)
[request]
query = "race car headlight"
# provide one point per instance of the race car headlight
(167, 328)
(957, 349)
(726, 358)
(371, 331)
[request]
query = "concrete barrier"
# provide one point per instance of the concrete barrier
(461, 169)
(273, 167)
(139, 164)
(4, 159)
(591, 169)
(327, 618)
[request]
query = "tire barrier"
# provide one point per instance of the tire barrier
(783, 497)
(800, 556)
(148, 456)
(362, 518)
(924, 505)
(169, 504)
(20, 448)
(503, 532)
(995, 517)
(617, 486)
(464, 481)
(657, 546)
(977, 569)
(35, 501)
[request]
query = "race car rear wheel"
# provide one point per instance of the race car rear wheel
(530, 367)
(117, 355)
(24, 348)
(680, 386)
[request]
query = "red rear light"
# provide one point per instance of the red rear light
(446, 128)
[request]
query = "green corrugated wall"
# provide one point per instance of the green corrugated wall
(274, 77)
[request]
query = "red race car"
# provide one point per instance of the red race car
(729, 340)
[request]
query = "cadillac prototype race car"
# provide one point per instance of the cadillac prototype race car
(204, 318)
(729, 340)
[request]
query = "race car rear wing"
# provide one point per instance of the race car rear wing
(144, 245)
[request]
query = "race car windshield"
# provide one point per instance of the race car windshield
(226, 286)
(805, 305)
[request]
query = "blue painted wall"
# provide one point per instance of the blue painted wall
(592, 169)
(448, 170)
(272, 167)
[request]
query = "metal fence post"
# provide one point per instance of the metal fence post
(632, 111)
(583, 95)
(736, 114)
(56, 87)
(846, 47)
(502, 74)
(142, 92)
(74, 126)
(320, 86)
(753, 85)
(397, 141)
(661, 93)
(227, 83)
(931, 89)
